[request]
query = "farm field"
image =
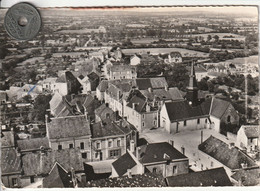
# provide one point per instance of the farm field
(221, 35)
(156, 51)
(249, 60)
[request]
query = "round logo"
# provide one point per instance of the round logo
(22, 21)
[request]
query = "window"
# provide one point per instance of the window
(185, 123)
(201, 166)
(211, 164)
(154, 122)
(59, 147)
(14, 181)
(109, 144)
(198, 121)
(206, 120)
(154, 170)
(228, 119)
(84, 155)
(32, 179)
(98, 145)
(143, 116)
(143, 124)
(118, 143)
(107, 115)
(96, 155)
(71, 146)
(114, 153)
(174, 169)
(82, 145)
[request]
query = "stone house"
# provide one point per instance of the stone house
(248, 137)
(216, 153)
(135, 60)
(161, 158)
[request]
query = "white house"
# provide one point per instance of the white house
(135, 60)
(248, 136)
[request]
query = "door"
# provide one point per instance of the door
(100, 156)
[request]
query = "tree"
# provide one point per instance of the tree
(209, 38)
(216, 37)
(41, 104)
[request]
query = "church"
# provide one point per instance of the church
(192, 113)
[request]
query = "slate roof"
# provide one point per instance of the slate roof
(212, 177)
(33, 144)
(181, 110)
(65, 77)
(108, 128)
(68, 127)
(252, 131)
(175, 54)
(230, 157)
(58, 177)
(139, 103)
(154, 152)
(42, 163)
(10, 161)
(143, 180)
(154, 83)
(123, 163)
(7, 139)
(93, 76)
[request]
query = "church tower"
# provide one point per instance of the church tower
(192, 89)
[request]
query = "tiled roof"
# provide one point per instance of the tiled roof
(212, 177)
(10, 162)
(102, 112)
(103, 85)
(230, 157)
(60, 107)
(33, 144)
(155, 152)
(7, 139)
(120, 68)
(249, 177)
(108, 128)
(139, 103)
(3, 95)
(57, 178)
(252, 131)
(218, 107)
(123, 163)
(162, 94)
(68, 127)
(181, 110)
(144, 180)
(41, 163)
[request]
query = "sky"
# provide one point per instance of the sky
(79, 3)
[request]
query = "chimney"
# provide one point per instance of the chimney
(138, 153)
(148, 107)
(183, 150)
(47, 120)
(132, 146)
(129, 173)
(150, 90)
(171, 142)
(72, 96)
(134, 105)
(231, 145)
